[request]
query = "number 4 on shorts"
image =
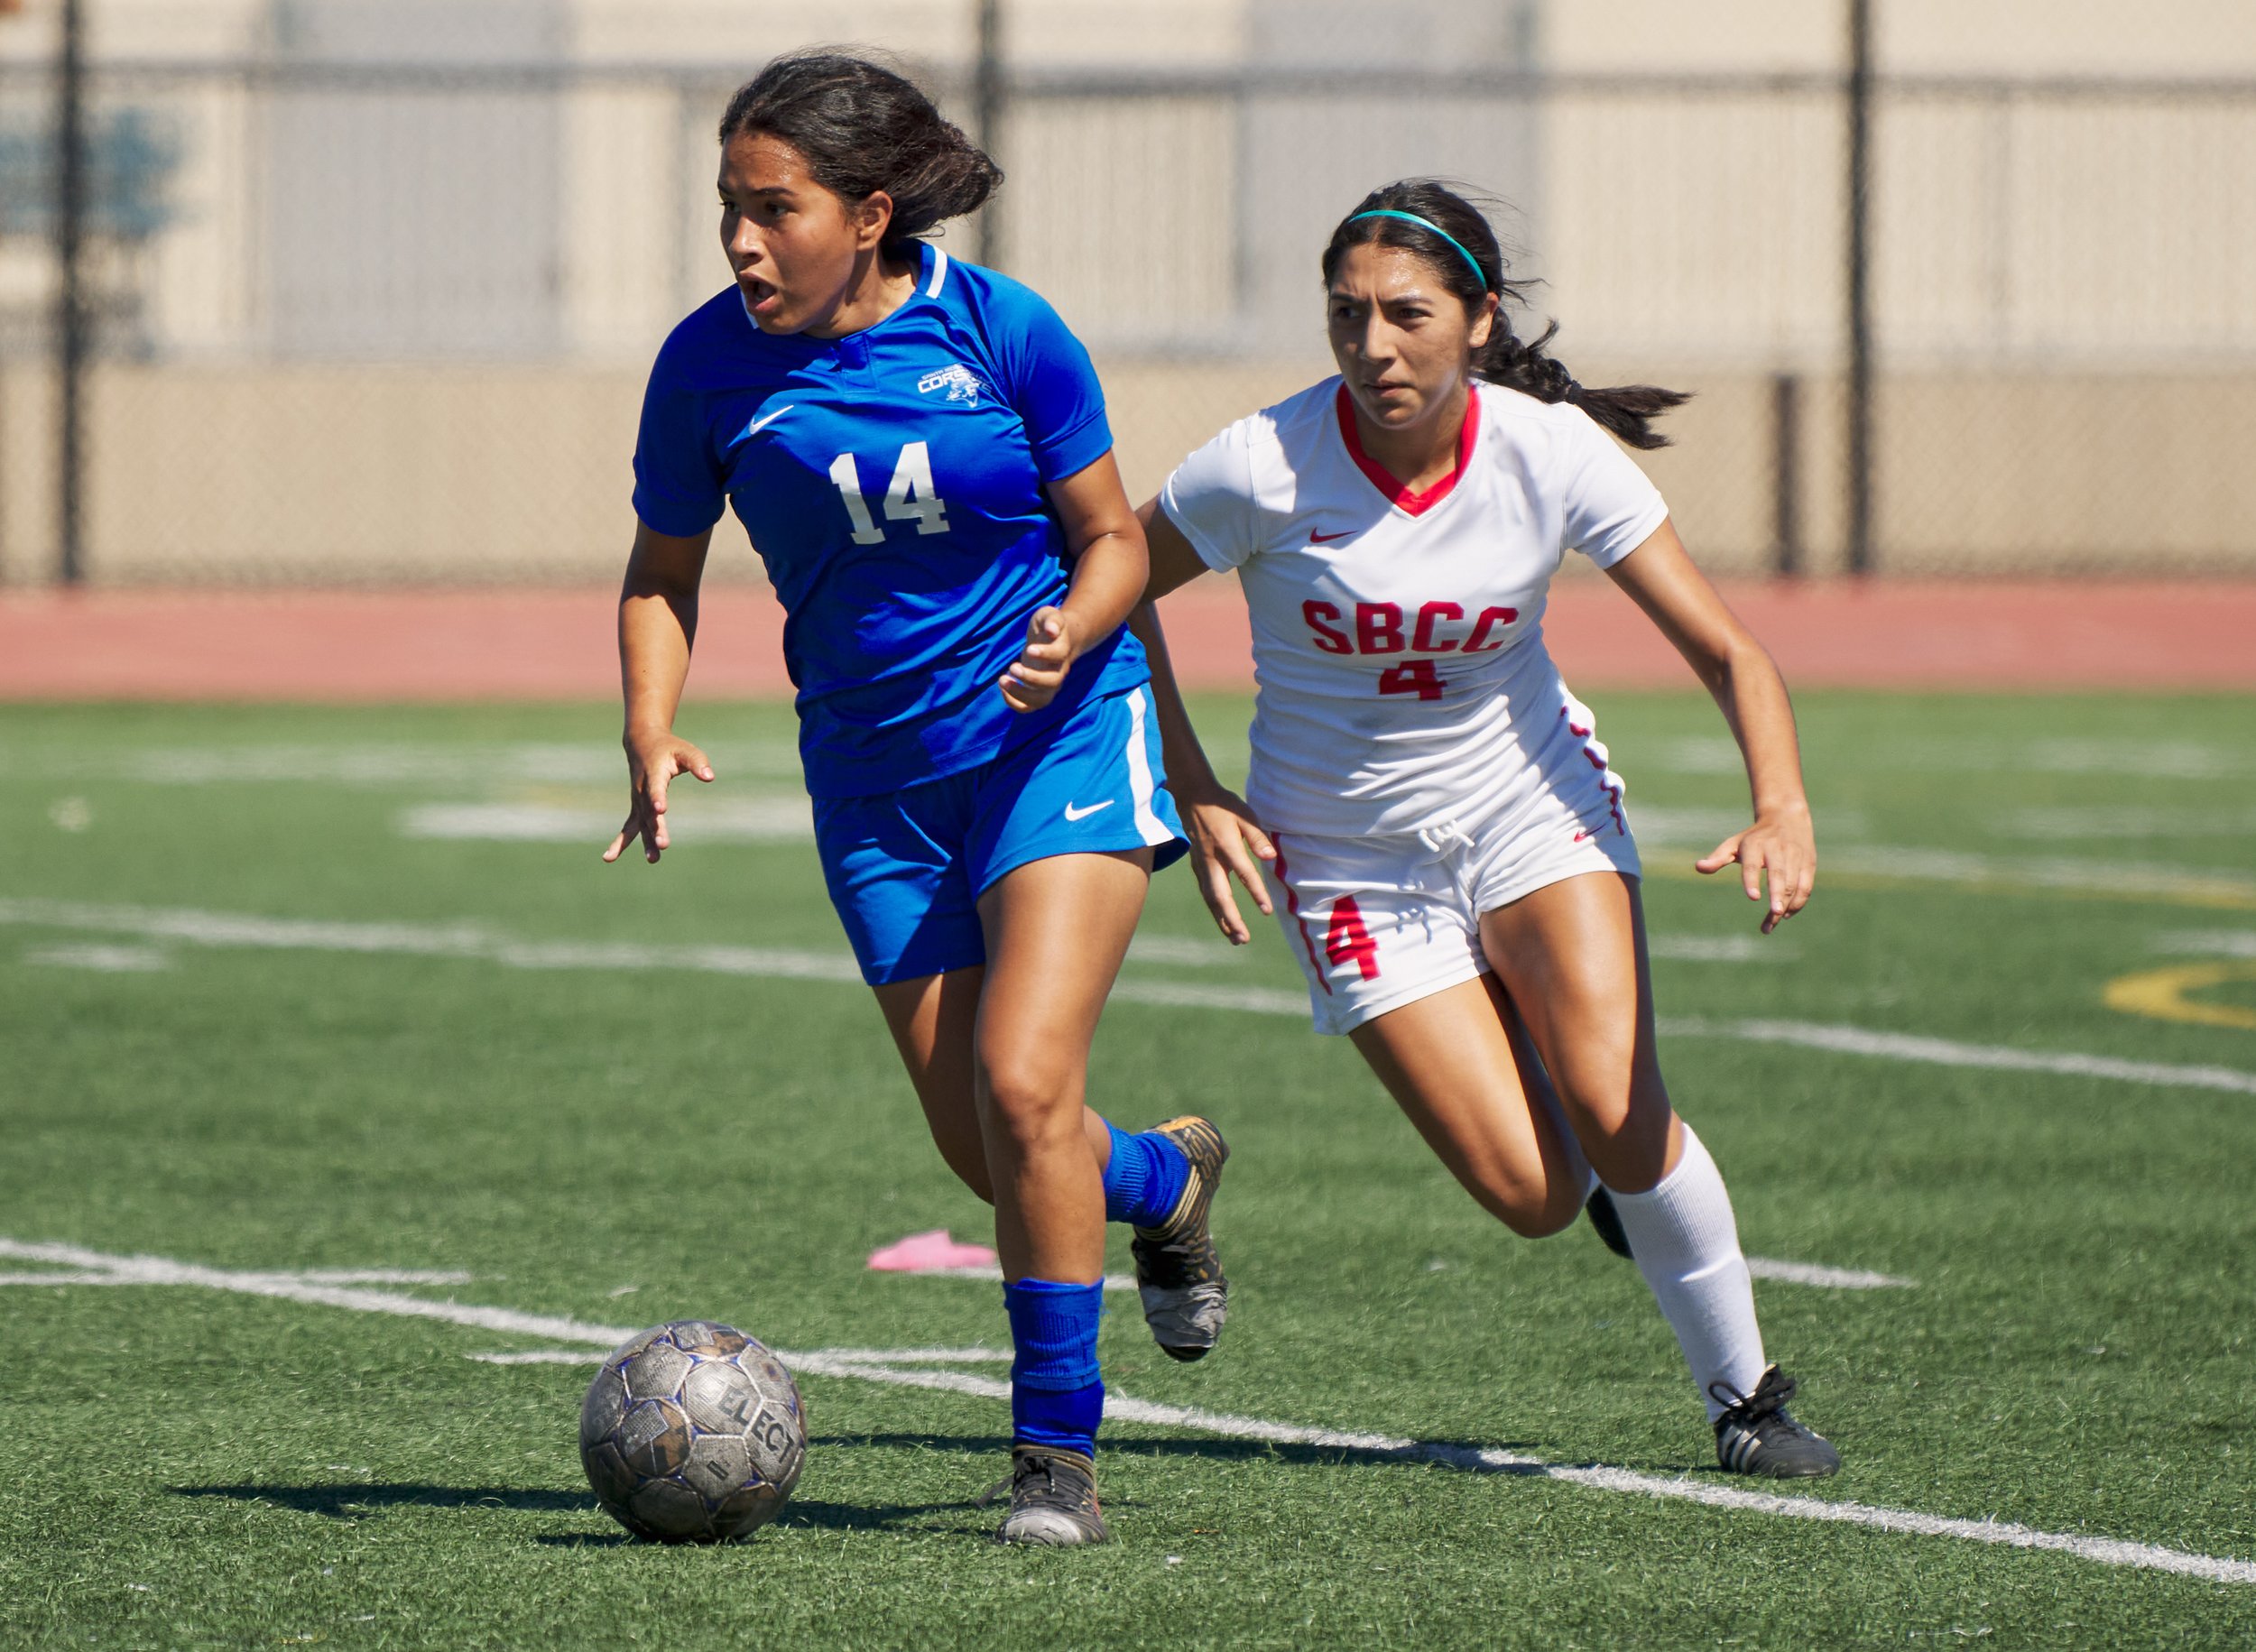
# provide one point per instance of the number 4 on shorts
(1346, 939)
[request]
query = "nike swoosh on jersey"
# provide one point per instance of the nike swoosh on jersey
(1083, 813)
(763, 421)
(1325, 538)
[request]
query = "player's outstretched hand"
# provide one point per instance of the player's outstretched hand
(1225, 842)
(1782, 847)
(652, 761)
(1040, 671)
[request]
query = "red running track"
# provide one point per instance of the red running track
(325, 646)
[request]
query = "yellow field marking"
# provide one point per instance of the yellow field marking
(2161, 993)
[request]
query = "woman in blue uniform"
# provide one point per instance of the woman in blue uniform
(919, 451)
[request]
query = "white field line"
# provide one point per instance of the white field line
(465, 941)
(2131, 820)
(471, 942)
(2122, 879)
(798, 1362)
(1721, 949)
(1194, 995)
(313, 1276)
(747, 820)
(105, 960)
(1761, 1266)
(290, 1287)
(542, 1356)
(2208, 943)
(1665, 826)
(1182, 950)
(1834, 1279)
(1950, 1053)
(2170, 760)
(424, 767)
(1120, 1407)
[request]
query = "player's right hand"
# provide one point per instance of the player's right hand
(1225, 842)
(652, 761)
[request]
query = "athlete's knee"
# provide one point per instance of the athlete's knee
(1633, 1156)
(1028, 1095)
(1539, 1218)
(1533, 1206)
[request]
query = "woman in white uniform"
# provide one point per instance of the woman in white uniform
(1447, 840)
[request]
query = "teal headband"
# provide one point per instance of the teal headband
(1411, 218)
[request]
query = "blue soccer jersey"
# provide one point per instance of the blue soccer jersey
(892, 483)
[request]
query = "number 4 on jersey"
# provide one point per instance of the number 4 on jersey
(910, 498)
(1416, 677)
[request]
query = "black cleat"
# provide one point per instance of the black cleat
(1608, 1222)
(1053, 1499)
(1756, 1435)
(1177, 1274)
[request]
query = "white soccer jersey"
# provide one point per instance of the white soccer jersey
(1397, 637)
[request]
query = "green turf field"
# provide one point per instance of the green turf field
(252, 1024)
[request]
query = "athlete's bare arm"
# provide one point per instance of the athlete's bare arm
(1739, 672)
(658, 620)
(1226, 840)
(1104, 545)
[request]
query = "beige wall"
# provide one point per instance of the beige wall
(351, 475)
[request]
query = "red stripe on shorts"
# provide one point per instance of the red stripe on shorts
(1292, 905)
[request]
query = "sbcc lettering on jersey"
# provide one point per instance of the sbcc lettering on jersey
(1380, 628)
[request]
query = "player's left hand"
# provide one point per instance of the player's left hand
(1040, 671)
(1780, 846)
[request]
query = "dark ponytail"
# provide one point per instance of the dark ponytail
(1523, 364)
(863, 128)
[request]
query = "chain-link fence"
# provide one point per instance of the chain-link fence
(367, 287)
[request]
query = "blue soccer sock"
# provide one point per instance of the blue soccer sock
(1144, 1179)
(1057, 1396)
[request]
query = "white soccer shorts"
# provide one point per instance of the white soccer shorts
(1380, 922)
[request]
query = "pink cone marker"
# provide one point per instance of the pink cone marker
(928, 1254)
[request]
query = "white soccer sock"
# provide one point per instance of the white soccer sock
(1687, 1245)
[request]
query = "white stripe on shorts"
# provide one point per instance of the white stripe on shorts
(1149, 825)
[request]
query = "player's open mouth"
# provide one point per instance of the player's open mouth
(760, 295)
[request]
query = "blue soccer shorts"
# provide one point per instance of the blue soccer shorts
(906, 869)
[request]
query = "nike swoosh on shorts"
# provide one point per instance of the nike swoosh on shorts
(1083, 813)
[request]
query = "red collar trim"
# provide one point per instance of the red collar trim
(1385, 480)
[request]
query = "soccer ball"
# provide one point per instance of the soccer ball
(692, 1433)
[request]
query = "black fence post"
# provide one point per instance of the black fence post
(987, 96)
(71, 320)
(1860, 304)
(1786, 475)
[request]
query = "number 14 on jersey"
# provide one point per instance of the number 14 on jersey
(910, 498)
